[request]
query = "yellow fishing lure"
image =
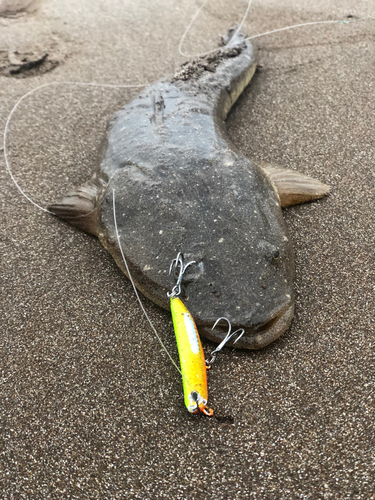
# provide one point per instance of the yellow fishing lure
(192, 362)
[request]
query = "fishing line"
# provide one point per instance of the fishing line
(202, 54)
(299, 26)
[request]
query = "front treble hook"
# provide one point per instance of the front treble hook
(178, 265)
(227, 338)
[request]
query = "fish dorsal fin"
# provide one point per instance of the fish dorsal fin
(78, 207)
(293, 187)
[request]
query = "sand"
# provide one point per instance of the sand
(91, 407)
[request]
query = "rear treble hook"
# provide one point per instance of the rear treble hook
(178, 264)
(227, 338)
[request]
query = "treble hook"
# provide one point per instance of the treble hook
(227, 338)
(178, 263)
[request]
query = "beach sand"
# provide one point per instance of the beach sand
(91, 407)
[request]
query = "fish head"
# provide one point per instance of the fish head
(244, 259)
(228, 220)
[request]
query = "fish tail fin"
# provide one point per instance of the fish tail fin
(79, 207)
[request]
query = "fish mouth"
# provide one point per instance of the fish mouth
(255, 337)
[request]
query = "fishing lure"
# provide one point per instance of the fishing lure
(192, 361)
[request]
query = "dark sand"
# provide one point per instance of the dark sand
(91, 407)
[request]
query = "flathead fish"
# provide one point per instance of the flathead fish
(181, 185)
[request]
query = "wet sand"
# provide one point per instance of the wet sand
(91, 407)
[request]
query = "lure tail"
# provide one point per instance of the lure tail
(193, 364)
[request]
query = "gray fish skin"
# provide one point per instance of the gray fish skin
(181, 186)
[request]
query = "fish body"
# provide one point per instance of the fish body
(181, 185)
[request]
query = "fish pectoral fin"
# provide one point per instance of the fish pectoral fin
(293, 187)
(78, 207)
